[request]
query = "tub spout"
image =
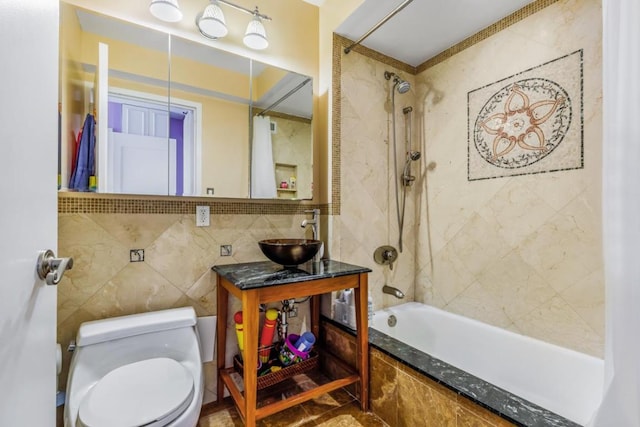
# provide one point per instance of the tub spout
(393, 291)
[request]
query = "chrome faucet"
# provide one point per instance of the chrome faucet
(314, 223)
(393, 291)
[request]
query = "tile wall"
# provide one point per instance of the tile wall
(522, 253)
(368, 217)
(176, 271)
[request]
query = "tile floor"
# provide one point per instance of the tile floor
(335, 409)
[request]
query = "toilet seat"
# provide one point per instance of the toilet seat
(149, 393)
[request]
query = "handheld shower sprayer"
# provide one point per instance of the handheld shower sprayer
(401, 86)
(407, 178)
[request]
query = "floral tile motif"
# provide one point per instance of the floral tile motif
(531, 122)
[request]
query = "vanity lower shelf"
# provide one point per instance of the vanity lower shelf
(286, 393)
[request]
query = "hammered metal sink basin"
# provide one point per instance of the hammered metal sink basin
(289, 252)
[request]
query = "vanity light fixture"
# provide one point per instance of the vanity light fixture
(212, 25)
(166, 10)
(256, 37)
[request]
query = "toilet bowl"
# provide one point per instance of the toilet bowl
(138, 370)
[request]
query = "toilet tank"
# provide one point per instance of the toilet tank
(99, 331)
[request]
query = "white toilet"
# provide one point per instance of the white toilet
(138, 370)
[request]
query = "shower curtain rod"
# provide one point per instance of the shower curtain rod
(285, 96)
(378, 25)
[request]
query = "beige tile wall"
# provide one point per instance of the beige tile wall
(292, 145)
(368, 217)
(521, 253)
(176, 271)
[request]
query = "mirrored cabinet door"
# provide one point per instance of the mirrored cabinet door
(285, 100)
(210, 97)
(114, 135)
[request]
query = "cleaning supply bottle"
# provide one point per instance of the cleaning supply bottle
(266, 337)
(237, 318)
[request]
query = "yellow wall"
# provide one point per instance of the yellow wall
(268, 78)
(71, 90)
(225, 145)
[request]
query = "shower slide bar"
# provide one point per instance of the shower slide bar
(378, 25)
(284, 97)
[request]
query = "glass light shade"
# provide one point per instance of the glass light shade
(256, 37)
(212, 23)
(166, 10)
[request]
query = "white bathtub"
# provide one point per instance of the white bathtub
(563, 381)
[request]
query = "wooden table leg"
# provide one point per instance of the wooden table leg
(362, 342)
(221, 336)
(315, 315)
(250, 320)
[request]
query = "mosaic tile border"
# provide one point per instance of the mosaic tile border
(113, 204)
(336, 121)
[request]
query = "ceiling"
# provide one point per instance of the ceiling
(424, 28)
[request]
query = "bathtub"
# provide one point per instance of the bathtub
(560, 380)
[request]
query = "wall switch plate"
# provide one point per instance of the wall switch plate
(202, 216)
(225, 250)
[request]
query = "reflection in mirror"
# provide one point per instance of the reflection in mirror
(103, 78)
(282, 116)
(217, 85)
(188, 135)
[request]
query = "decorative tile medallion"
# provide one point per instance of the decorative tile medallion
(527, 123)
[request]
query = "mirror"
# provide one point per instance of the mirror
(174, 116)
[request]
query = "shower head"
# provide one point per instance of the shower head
(402, 86)
(414, 155)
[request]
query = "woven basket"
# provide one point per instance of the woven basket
(284, 373)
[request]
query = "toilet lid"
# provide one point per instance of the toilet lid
(151, 392)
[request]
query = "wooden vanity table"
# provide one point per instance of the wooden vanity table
(262, 282)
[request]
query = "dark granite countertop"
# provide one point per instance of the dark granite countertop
(252, 275)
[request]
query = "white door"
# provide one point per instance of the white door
(141, 164)
(28, 218)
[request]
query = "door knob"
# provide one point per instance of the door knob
(51, 269)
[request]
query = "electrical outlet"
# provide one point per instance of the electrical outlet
(202, 216)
